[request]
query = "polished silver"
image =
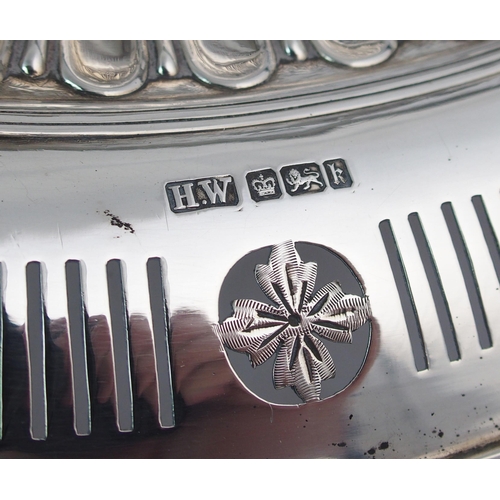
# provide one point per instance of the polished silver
(261, 330)
(236, 64)
(167, 60)
(356, 53)
(5, 51)
(34, 58)
(488, 232)
(418, 74)
(104, 67)
(409, 130)
(295, 48)
(2, 290)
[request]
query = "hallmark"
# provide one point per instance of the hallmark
(263, 185)
(199, 194)
(302, 179)
(337, 173)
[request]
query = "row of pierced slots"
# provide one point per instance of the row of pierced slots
(403, 285)
(38, 341)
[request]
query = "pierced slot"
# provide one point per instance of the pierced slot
(405, 296)
(78, 333)
(35, 332)
(436, 286)
(156, 270)
(121, 345)
(476, 302)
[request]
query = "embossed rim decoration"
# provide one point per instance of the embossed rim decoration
(5, 48)
(100, 76)
(356, 53)
(408, 80)
(295, 322)
(241, 68)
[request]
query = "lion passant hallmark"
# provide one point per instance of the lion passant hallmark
(221, 191)
(301, 179)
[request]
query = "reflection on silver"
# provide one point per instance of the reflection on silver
(35, 333)
(167, 60)
(156, 268)
(356, 53)
(421, 74)
(2, 289)
(409, 129)
(34, 58)
(5, 50)
(295, 48)
(260, 330)
(121, 347)
(77, 319)
(104, 67)
(82, 362)
(236, 64)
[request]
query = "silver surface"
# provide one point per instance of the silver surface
(167, 60)
(295, 48)
(286, 327)
(418, 74)
(34, 58)
(236, 64)
(104, 67)
(55, 201)
(2, 281)
(488, 232)
(356, 53)
(5, 51)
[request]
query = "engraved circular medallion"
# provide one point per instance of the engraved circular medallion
(295, 322)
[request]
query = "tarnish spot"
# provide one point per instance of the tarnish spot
(116, 221)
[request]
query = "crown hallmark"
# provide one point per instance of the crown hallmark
(264, 187)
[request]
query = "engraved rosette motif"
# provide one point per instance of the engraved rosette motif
(295, 324)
